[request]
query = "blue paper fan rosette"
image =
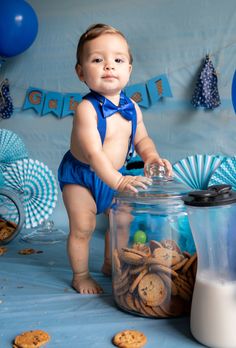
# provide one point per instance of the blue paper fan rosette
(37, 187)
(225, 173)
(195, 171)
(12, 148)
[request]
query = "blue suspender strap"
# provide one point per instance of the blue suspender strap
(134, 127)
(102, 125)
(133, 131)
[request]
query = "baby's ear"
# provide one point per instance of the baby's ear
(79, 72)
(130, 68)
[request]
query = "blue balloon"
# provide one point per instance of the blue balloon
(18, 27)
(233, 91)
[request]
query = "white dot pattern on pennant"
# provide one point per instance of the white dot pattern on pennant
(38, 188)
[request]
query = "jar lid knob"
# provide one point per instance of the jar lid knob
(154, 169)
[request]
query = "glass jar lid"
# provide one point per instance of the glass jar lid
(162, 187)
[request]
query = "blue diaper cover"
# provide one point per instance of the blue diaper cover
(72, 171)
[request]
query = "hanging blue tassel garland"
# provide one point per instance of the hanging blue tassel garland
(206, 91)
(6, 105)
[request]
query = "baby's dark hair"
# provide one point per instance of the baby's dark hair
(93, 32)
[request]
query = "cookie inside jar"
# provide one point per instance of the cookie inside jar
(11, 215)
(154, 258)
(7, 229)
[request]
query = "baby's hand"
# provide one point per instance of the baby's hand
(160, 162)
(129, 183)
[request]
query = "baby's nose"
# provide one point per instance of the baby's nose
(109, 66)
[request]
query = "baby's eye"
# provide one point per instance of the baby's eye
(119, 60)
(97, 60)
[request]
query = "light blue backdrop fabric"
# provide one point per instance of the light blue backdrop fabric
(166, 37)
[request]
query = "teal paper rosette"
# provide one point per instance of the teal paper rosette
(12, 148)
(195, 171)
(37, 188)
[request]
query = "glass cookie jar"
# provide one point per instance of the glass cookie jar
(11, 215)
(153, 252)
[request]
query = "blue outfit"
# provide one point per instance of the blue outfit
(73, 171)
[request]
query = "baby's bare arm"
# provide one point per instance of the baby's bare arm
(146, 148)
(85, 136)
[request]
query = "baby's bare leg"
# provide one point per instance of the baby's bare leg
(81, 210)
(123, 220)
(106, 268)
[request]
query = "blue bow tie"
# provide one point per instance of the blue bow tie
(126, 107)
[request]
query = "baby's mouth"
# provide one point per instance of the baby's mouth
(109, 77)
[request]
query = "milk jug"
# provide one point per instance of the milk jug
(212, 218)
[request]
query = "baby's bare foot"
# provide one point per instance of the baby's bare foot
(106, 268)
(85, 284)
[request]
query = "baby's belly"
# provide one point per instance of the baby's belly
(116, 153)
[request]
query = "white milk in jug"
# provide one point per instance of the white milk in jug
(213, 311)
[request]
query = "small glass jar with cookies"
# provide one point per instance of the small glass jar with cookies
(11, 215)
(153, 253)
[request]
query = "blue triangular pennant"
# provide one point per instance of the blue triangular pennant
(158, 87)
(34, 99)
(53, 103)
(139, 94)
(71, 100)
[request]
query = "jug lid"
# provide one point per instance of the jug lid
(162, 187)
(215, 195)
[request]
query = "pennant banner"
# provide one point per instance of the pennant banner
(44, 102)
(62, 105)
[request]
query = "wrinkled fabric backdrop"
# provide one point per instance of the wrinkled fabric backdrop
(166, 37)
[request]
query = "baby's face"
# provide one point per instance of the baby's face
(105, 65)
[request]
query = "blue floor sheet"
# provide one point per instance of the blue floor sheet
(35, 293)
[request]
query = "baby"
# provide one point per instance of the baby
(107, 127)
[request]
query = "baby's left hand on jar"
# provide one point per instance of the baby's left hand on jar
(132, 183)
(161, 162)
